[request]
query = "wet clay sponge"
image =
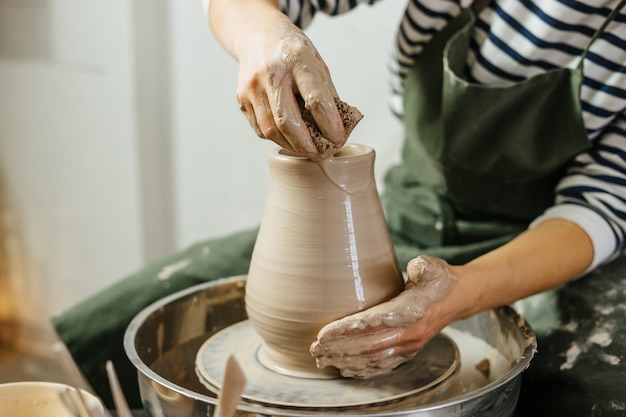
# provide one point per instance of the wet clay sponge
(351, 116)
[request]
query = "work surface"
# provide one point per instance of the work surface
(580, 366)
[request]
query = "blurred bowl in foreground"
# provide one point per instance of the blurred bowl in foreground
(40, 399)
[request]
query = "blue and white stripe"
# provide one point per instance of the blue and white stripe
(516, 39)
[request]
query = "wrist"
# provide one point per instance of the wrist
(462, 301)
(544, 257)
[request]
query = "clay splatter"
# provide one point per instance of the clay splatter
(608, 319)
(601, 338)
(170, 270)
(610, 359)
(572, 326)
(571, 356)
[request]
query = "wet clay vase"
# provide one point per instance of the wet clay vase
(323, 252)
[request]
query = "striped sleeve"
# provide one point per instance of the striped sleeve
(301, 12)
(593, 193)
(420, 23)
(517, 39)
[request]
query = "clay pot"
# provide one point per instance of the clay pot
(323, 252)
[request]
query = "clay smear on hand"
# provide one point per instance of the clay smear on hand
(350, 343)
(350, 116)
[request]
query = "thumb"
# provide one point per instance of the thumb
(431, 275)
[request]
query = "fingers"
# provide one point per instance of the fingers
(274, 114)
(354, 325)
(257, 111)
(426, 268)
(366, 366)
(319, 98)
(289, 121)
(278, 117)
(313, 83)
(401, 311)
(248, 111)
(356, 344)
(282, 79)
(364, 346)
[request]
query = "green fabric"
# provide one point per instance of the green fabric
(478, 162)
(94, 330)
(580, 367)
(505, 148)
(421, 222)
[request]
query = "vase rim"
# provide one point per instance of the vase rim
(349, 150)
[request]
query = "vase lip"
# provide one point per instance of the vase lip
(349, 150)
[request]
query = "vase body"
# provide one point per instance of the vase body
(323, 252)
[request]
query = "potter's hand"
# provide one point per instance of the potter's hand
(277, 69)
(375, 341)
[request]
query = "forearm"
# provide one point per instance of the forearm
(552, 253)
(235, 22)
(545, 256)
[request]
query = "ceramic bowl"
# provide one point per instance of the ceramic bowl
(39, 399)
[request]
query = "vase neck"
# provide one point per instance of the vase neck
(351, 170)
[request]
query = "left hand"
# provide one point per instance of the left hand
(375, 341)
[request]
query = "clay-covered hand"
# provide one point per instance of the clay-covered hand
(281, 72)
(375, 341)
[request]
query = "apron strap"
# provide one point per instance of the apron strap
(600, 30)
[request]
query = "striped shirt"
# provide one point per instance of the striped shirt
(513, 40)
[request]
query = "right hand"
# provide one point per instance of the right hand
(276, 69)
(375, 341)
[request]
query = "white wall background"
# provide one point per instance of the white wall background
(121, 140)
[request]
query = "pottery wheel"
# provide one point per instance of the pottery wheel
(434, 365)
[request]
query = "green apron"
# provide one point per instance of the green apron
(472, 177)
(479, 162)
